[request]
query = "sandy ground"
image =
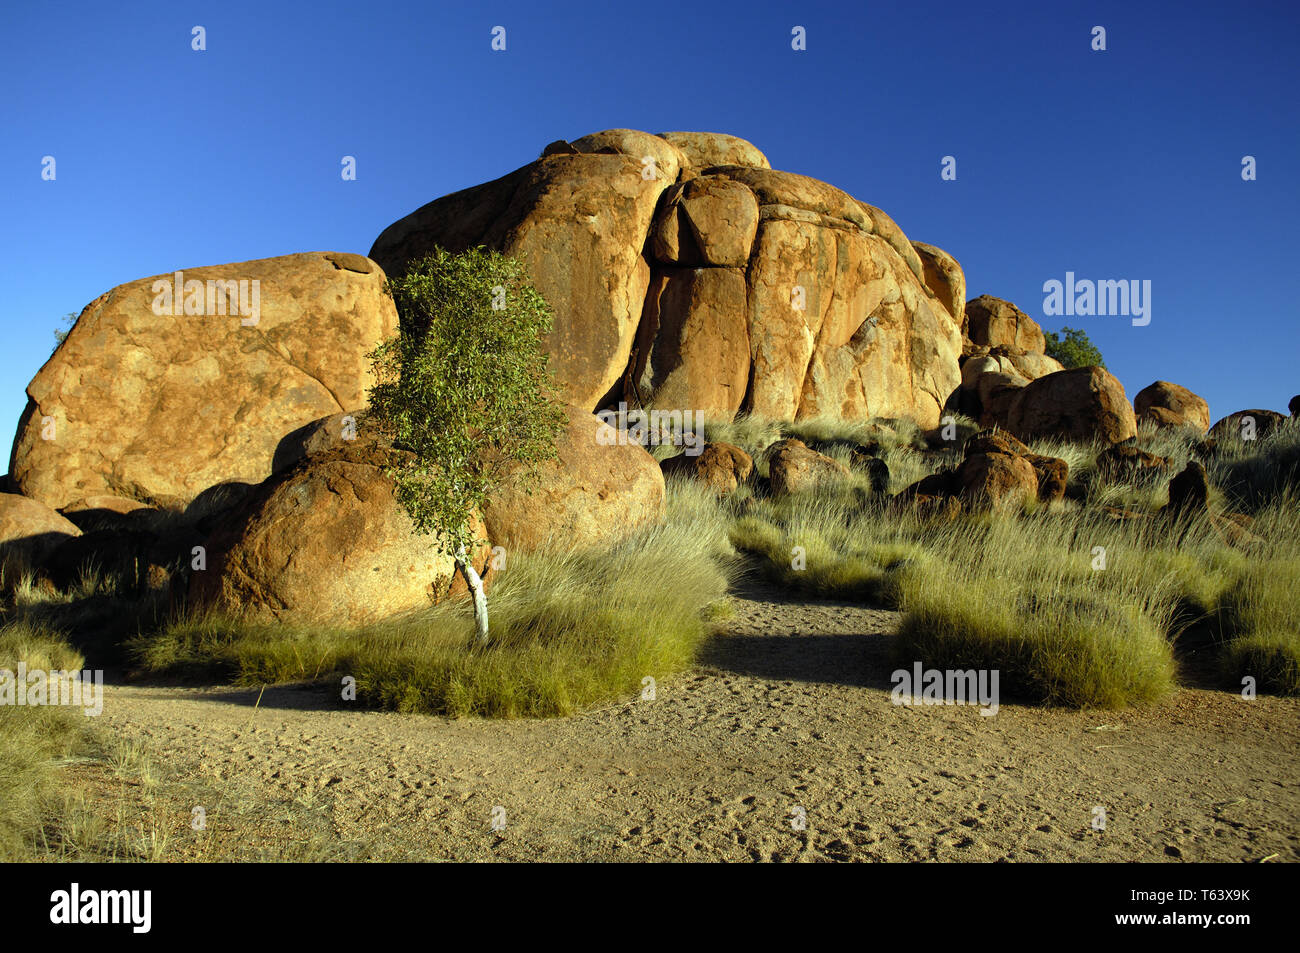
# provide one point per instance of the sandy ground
(790, 711)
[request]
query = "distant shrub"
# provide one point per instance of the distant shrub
(1073, 348)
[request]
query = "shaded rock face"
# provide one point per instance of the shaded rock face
(156, 408)
(1170, 405)
(596, 493)
(1126, 463)
(837, 316)
(721, 466)
(326, 542)
(29, 529)
(794, 468)
(1294, 406)
(1189, 491)
(1083, 403)
(1247, 425)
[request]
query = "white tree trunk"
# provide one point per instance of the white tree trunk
(475, 582)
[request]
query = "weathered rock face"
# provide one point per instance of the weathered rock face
(794, 468)
(1169, 405)
(1294, 406)
(325, 542)
(721, 466)
(709, 220)
(157, 408)
(838, 319)
(705, 149)
(580, 222)
(596, 492)
(992, 322)
(29, 529)
(1083, 403)
(1247, 425)
(693, 344)
(945, 279)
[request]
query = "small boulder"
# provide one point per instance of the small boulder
(324, 543)
(721, 466)
(1170, 405)
(997, 480)
(992, 321)
(1123, 463)
(1189, 491)
(1294, 406)
(794, 468)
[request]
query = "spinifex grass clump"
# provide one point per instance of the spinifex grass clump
(31, 739)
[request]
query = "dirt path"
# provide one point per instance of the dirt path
(790, 710)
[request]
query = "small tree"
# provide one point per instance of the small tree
(59, 334)
(465, 389)
(1073, 348)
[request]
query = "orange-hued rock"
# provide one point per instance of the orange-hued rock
(997, 480)
(992, 322)
(705, 149)
(158, 407)
(324, 543)
(721, 466)
(945, 279)
(693, 346)
(1082, 403)
(795, 468)
(29, 529)
(579, 222)
(1170, 405)
(598, 491)
(709, 220)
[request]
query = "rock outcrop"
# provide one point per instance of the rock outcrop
(758, 290)
(1247, 425)
(156, 407)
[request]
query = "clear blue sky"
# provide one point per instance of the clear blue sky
(1122, 164)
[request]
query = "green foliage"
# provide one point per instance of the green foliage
(1073, 348)
(59, 334)
(464, 387)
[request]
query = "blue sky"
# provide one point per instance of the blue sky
(1117, 164)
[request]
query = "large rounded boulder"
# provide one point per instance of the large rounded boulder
(325, 543)
(601, 487)
(1082, 403)
(1170, 405)
(168, 385)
